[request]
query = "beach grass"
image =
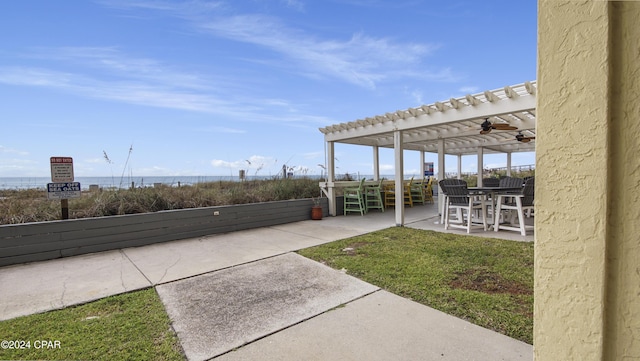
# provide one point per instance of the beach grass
(31, 205)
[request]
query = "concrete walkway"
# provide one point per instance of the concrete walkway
(246, 295)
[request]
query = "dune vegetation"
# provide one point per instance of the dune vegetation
(32, 205)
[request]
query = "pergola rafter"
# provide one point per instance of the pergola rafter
(457, 117)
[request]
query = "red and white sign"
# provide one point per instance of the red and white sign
(61, 169)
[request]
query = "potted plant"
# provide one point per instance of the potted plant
(316, 209)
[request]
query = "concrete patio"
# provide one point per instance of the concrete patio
(246, 295)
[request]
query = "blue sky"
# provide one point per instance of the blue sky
(172, 88)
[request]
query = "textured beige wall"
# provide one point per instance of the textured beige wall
(587, 279)
(622, 327)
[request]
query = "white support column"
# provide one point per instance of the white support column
(421, 164)
(441, 173)
(509, 164)
(376, 163)
(459, 166)
(480, 165)
(399, 177)
(331, 177)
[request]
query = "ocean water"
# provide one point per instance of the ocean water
(138, 182)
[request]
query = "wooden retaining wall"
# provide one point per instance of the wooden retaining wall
(29, 242)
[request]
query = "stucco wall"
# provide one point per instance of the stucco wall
(587, 278)
(622, 327)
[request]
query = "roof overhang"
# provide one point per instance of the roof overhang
(457, 121)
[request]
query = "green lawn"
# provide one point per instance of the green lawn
(131, 326)
(486, 281)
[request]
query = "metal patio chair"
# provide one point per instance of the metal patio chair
(490, 182)
(511, 182)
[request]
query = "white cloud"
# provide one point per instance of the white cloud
(110, 74)
(128, 91)
(10, 167)
(5, 150)
(258, 161)
(361, 60)
(387, 168)
(147, 82)
(469, 89)
(95, 160)
(294, 4)
(116, 63)
(216, 129)
(164, 95)
(218, 163)
(255, 162)
(313, 155)
(417, 96)
(157, 171)
(177, 7)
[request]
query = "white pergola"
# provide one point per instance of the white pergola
(447, 127)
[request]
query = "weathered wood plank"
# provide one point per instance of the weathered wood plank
(47, 240)
(31, 257)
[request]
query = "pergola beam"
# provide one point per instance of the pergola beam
(483, 110)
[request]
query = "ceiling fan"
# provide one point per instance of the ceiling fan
(487, 126)
(524, 139)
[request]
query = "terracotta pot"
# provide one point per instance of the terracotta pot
(316, 212)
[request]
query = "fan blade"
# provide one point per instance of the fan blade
(521, 138)
(504, 127)
(485, 131)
